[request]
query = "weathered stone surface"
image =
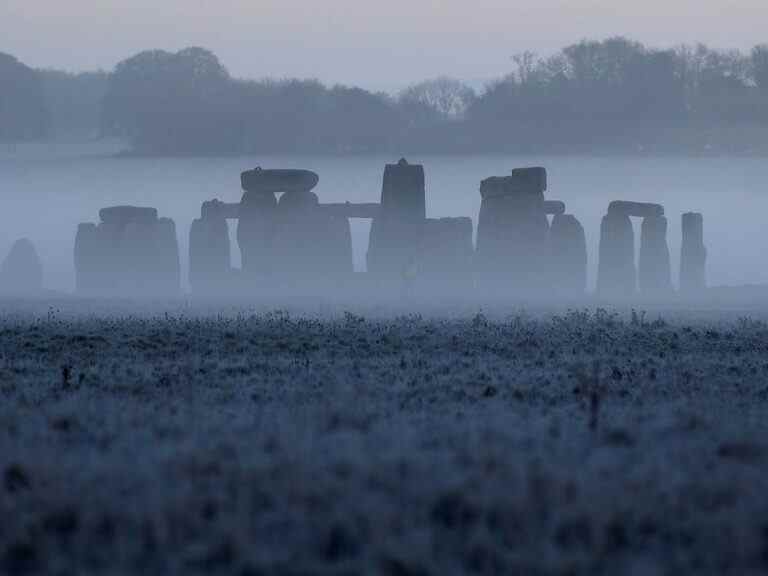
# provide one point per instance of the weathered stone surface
(554, 207)
(135, 259)
(129, 253)
(693, 254)
(89, 256)
(256, 229)
(290, 239)
(395, 234)
(568, 256)
(638, 209)
(209, 255)
(532, 177)
(444, 262)
(21, 273)
(511, 236)
(522, 180)
(120, 216)
(298, 201)
(616, 273)
(167, 268)
(217, 209)
(310, 245)
(403, 193)
(654, 272)
(278, 180)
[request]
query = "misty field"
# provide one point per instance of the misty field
(584, 442)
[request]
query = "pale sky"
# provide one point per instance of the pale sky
(379, 45)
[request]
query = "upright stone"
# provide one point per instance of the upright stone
(256, 227)
(166, 265)
(209, 250)
(654, 269)
(512, 231)
(444, 263)
(616, 275)
(693, 254)
(296, 246)
(568, 256)
(131, 252)
(396, 232)
(136, 262)
(259, 233)
(88, 257)
(21, 273)
(337, 237)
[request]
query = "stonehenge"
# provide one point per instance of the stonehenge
(21, 273)
(617, 274)
(130, 252)
(526, 245)
(693, 254)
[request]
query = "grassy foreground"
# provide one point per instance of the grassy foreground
(580, 443)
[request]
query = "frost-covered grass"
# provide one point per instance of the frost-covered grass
(281, 443)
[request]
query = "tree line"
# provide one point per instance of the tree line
(611, 96)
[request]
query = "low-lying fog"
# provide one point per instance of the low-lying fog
(44, 198)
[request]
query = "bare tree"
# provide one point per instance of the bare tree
(448, 97)
(527, 65)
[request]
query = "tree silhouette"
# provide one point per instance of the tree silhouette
(23, 113)
(445, 98)
(613, 95)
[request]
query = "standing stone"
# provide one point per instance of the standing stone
(290, 242)
(209, 251)
(616, 275)
(131, 252)
(337, 235)
(395, 234)
(693, 254)
(654, 269)
(138, 274)
(166, 265)
(512, 231)
(568, 256)
(21, 273)
(256, 228)
(444, 262)
(88, 256)
(126, 240)
(310, 246)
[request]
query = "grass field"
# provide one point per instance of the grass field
(242, 442)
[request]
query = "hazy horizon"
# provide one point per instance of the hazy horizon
(382, 46)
